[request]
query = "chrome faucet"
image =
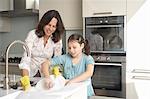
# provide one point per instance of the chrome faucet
(6, 81)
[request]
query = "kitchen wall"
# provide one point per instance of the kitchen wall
(133, 6)
(20, 26)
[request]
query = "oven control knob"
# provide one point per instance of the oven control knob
(106, 21)
(98, 58)
(101, 21)
(108, 58)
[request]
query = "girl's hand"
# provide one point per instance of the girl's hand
(68, 82)
(48, 83)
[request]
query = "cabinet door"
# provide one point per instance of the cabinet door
(136, 84)
(93, 8)
(70, 11)
(4, 5)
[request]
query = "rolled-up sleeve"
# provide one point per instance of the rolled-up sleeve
(26, 60)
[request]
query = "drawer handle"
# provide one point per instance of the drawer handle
(141, 77)
(140, 71)
(100, 13)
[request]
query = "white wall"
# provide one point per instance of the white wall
(133, 6)
(138, 38)
(19, 29)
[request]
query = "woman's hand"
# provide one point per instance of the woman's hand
(48, 83)
(25, 82)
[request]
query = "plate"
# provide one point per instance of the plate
(58, 83)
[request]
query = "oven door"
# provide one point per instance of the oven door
(105, 33)
(107, 79)
(105, 37)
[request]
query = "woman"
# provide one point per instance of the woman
(43, 42)
(78, 65)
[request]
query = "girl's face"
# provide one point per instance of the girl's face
(50, 27)
(74, 48)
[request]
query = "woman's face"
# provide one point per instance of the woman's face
(50, 27)
(74, 48)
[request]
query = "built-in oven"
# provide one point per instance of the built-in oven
(109, 74)
(106, 36)
(105, 33)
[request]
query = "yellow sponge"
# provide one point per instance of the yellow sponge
(25, 81)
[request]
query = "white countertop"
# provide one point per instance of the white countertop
(64, 93)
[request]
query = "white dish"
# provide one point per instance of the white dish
(58, 83)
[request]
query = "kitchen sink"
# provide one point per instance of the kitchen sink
(9, 94)
(72, 91)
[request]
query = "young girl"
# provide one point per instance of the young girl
(78, 64)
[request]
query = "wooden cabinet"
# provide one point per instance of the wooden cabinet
(92, 8)
(70, 11)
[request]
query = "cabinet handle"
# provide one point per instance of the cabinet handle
(113, 64)
(100, 13)
(141, 77)
(99, 26)
(141, 71)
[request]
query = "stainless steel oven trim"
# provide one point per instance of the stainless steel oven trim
(99, 26)
(114, 64)
(108, 52)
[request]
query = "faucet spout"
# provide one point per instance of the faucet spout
(6, 84)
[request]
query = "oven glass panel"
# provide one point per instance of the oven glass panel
(105, 33)
(107, 77)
